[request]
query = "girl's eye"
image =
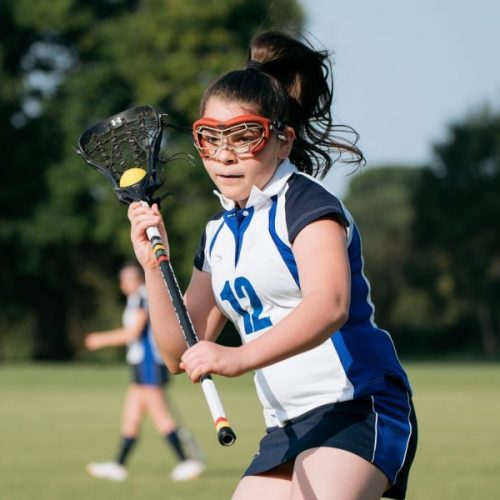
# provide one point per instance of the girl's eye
(213, 140)
(247, 136)
(242, 139)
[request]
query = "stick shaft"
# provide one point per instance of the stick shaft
(225, 434)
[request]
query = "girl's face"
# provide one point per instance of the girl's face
(130, 280)
(235, 175)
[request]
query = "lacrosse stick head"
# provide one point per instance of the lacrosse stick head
(125, 149)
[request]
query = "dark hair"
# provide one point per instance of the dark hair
(290, 82)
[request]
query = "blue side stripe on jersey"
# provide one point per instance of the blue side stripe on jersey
(354, 339)
(212, 243)
(361, 313)
(361, 309)
(284, 250)
(359, 338)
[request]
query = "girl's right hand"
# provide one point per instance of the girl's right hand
(141, 217)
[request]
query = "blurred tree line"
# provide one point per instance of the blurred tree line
(432, 238)
(430, 233)
(64, 66)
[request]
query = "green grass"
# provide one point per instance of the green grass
(56, 418)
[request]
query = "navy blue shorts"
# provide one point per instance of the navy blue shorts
(381, 428)
(150, 374)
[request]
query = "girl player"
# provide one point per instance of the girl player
(283, 262)
(145, 394)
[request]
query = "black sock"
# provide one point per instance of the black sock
(126, 445)
(174, 441)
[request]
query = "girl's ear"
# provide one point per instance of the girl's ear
(286, 138)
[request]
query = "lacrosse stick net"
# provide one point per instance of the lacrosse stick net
(125, 141)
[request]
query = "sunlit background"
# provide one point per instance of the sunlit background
(419, 82)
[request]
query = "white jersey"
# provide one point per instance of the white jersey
(256, 284)
(143, 349)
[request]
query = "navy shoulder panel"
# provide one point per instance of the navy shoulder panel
(306, 201)
(199, 257)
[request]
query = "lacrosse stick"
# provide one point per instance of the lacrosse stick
(189, 444)
(125, 149)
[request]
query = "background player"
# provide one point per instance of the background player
(145, 394)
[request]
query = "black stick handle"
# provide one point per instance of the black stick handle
(225, 434)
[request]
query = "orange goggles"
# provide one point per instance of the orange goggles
(245, 134)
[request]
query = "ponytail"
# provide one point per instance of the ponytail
(290, 82)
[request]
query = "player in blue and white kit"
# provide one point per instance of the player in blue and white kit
(283, 262)
(149, 377)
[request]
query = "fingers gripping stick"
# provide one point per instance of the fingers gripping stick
(225, 434)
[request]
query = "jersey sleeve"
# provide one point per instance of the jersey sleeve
(138, 300)
(200, 261)
(143, 300)
(306, 201)
(135, 301)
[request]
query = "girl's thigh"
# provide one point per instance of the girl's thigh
(274, 485)
(335, 474)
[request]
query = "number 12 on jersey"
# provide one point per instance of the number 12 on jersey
(253, 320)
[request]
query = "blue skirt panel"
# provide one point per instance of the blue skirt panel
(380, 428)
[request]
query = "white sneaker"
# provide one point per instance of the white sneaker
(187, 469)
(107, 470)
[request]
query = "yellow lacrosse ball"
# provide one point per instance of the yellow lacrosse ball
(132, 176)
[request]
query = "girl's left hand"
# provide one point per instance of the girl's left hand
(207, 357)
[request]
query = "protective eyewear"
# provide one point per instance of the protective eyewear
(245, 134)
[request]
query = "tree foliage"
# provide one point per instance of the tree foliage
(431, 242)
(458, 228)
(380, 200)
(65, 65)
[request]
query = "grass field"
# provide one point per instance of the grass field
(56, 418)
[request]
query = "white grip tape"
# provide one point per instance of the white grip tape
(152, 232)
(213, 399)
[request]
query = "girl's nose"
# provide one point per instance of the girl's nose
(226, 155)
